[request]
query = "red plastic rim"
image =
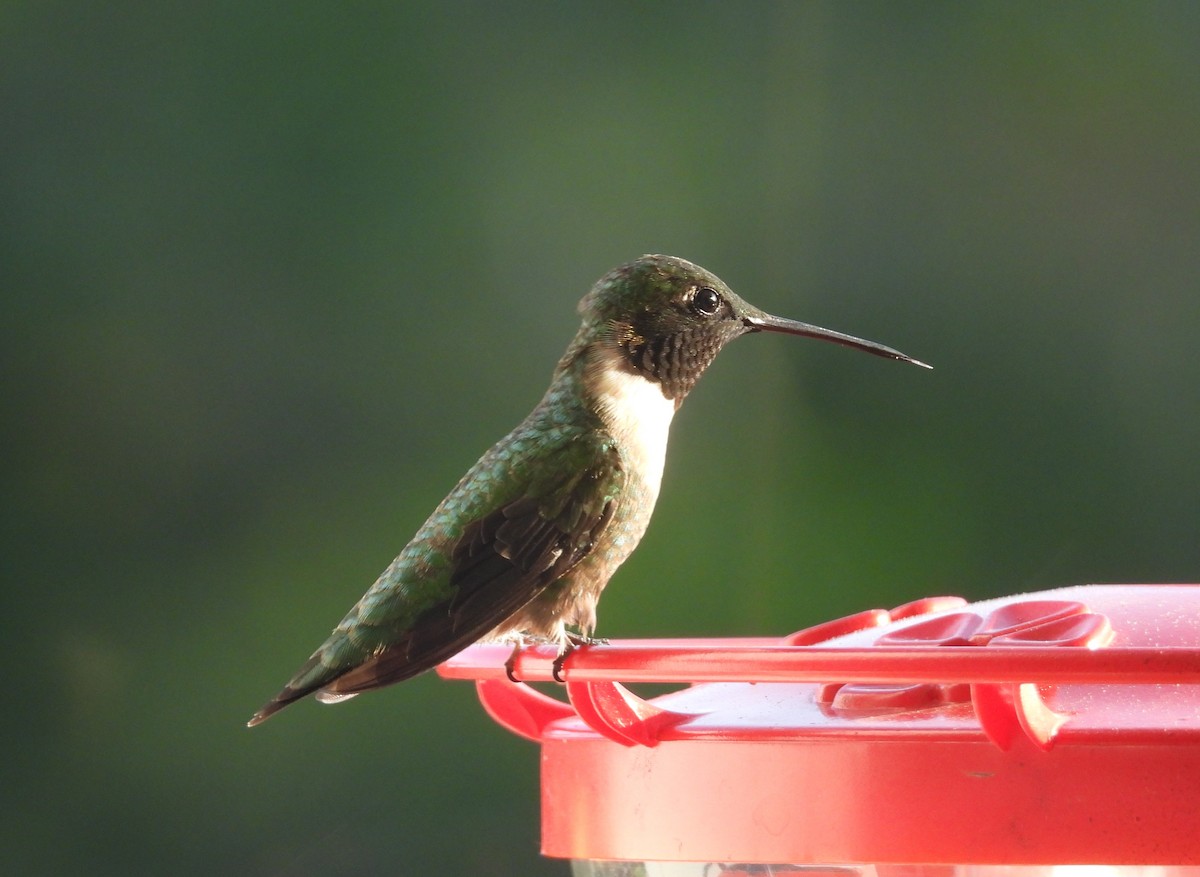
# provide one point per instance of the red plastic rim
(1053, 728)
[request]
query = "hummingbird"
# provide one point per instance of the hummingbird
(524, 544)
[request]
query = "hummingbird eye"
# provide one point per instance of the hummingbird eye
(705, 301)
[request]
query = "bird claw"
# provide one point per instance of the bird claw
(556, 670)
(574, 641)
(510, 664)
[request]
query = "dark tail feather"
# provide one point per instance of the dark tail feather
(269, 709)
(278, 702)
(362, 671)
(304, 683)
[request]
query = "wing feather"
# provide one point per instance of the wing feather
(503, 558)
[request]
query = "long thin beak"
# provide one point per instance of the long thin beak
(767, 323)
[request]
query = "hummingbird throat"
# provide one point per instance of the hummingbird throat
(675, 361)
(634, 408)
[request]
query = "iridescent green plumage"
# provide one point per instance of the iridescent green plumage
(526, 541)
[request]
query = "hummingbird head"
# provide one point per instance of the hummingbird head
(666, 319)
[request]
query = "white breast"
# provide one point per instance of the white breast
(637, 413)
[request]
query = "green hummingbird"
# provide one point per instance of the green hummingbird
(523, 545)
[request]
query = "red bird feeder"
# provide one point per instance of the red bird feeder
(1039, 731)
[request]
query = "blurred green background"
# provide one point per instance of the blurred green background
(275, 274)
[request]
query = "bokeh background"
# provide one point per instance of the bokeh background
(275, 274)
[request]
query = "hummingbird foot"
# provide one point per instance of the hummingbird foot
(556, 672)
(573, 642)
(511, 664)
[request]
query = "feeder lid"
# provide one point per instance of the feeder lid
(1061, 727)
